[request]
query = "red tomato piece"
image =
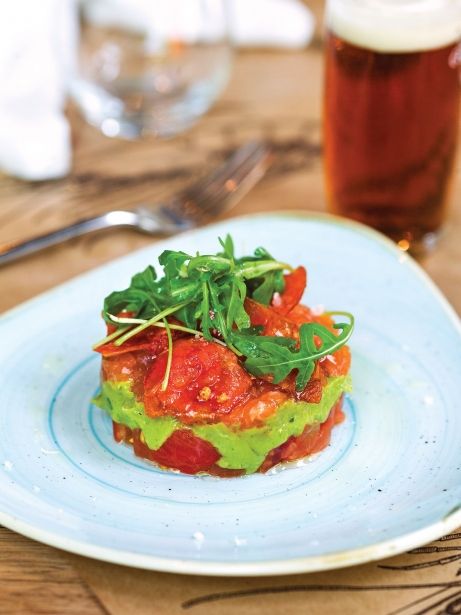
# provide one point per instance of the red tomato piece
(256, 410)
(182, 451)
(312, 392)
(336, 416)
(338, 363)
(129, 367)
(205, 382)
(301, 314)
(119, 368)
(312, 440)
(122, 433)
(272, 322)
(153, 339)
(295, 285)
(302, 445)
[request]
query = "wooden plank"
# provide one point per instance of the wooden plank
(36, 579)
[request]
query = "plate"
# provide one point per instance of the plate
(389, 481)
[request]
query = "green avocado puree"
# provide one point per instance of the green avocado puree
(118, 400)
(240, 449)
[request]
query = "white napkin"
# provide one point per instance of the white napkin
(264, 23)
(38, 40)
(271, 23)
(37, 49)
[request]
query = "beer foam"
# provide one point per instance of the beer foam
(396, 25)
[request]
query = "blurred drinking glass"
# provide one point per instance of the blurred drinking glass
(150, 66)
(391, 113)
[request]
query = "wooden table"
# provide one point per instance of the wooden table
(272, 95)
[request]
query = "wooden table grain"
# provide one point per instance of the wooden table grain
(276, 96)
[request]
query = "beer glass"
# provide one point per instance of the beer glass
(391, 113)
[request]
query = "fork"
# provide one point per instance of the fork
(195, 206)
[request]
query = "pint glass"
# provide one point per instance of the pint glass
(391, 113)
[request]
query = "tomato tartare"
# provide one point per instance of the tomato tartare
(217, 367)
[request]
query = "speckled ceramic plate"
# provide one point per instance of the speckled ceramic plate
(390, 480)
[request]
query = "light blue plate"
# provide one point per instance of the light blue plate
(391, 479)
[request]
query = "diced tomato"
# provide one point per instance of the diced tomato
(313, 439)
(338, 363)
(312, 392)
(298, 447)
(336, 416)
(301, 314)
(153, 339)
(122, 433)
(119, 368)
(295, 285)
(326, 320)
(130, 367)
(205, 382)
(256, 410)
(272, 322)
(182, 451)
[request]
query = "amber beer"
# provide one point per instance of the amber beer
(391, 122)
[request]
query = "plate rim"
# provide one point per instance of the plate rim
(298, 565)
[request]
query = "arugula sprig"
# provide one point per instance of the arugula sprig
(279, 356)
(206, 294)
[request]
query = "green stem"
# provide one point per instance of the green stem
(110, 337)
(126, 321)
(251, 270)
(162, 325)
(348, 315)
(221, 324)
(203, 262)
(166, 377)
(160, 316)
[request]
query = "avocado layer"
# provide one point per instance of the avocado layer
(240, 449)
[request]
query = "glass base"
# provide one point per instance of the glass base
(419, 241)
(419, 246)
(140, 114)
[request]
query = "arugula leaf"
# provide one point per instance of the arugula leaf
(264, 292)
(278, 356)
(206, 324)
(138, 298)
(262, 288)
(228, 246)
(172, 263)
(235, 299)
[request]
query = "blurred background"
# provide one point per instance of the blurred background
(61, 161)
(115, 103)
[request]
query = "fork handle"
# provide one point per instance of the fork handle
(11, 252)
